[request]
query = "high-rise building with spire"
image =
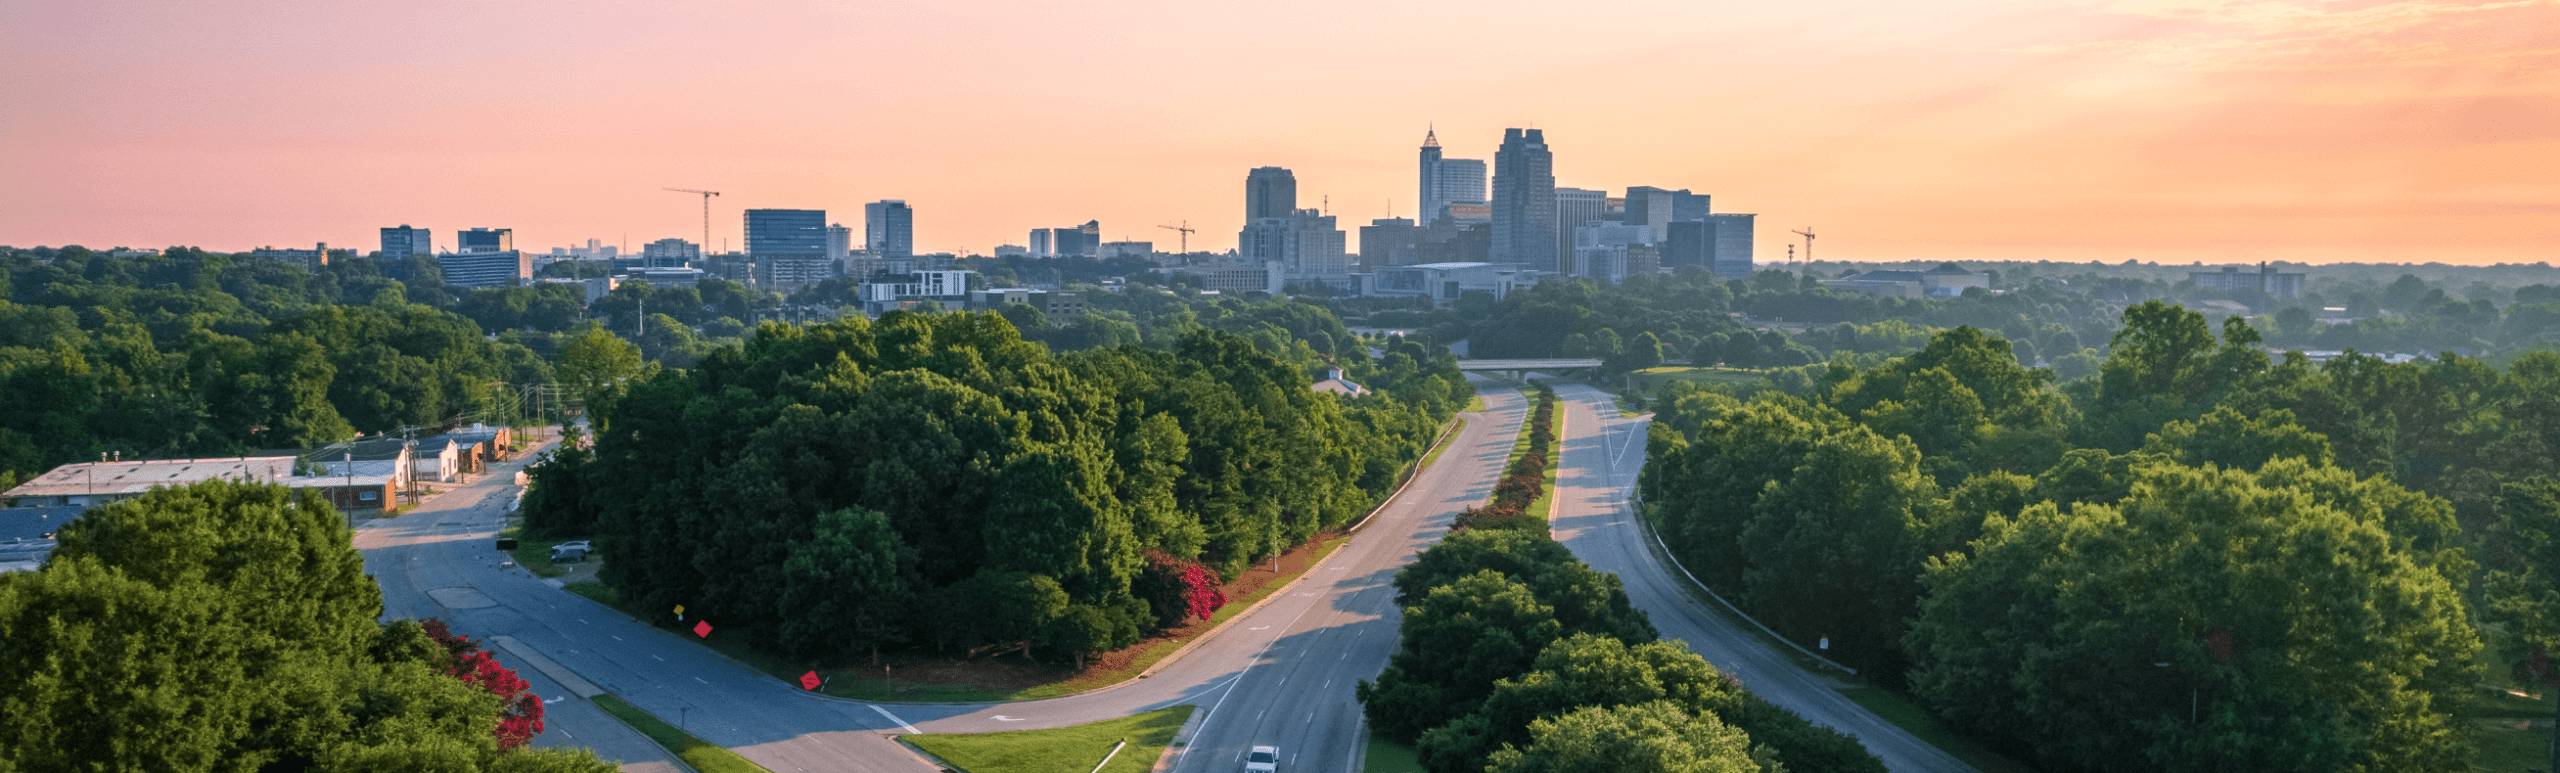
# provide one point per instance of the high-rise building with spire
(1524, 203)
(1446, 181)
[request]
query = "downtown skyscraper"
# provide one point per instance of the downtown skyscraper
(1524, 203)
(889, 228)
(1446, 181)
(1270, 191)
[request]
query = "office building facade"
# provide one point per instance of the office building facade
(786, 234)
(1576, 207)
(407, 242)
(1306, 245)
(1730, 235)
(1390, 241)
(1524, 202)
(486, 268)
(484, 240)
(669, 253)
(889, 228)
(839, 241)
(1270, 191)
(1446, 181)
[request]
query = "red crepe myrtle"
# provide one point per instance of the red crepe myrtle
(520, 718)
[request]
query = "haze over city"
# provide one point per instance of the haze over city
(2176, 131)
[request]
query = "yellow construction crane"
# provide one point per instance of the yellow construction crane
(1807, 233)
(1186, 230)
(706, 217)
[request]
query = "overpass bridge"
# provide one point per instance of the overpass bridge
(1516, 368)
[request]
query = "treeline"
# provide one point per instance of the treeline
(230, 627)
(1516, 658)
(934, 479)
(2199, 559)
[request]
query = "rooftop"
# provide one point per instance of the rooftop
(132, 478)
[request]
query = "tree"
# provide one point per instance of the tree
(1837, 546)
(1646, 738)
(846, 587)
(2309, 620)
(596, 365)
(1453, 647)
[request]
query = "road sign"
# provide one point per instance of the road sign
(809, 681)
(702, 629)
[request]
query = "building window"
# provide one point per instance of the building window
(368, 495)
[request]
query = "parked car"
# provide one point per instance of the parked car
(579, 544)
(1262, 759)
(570, 551)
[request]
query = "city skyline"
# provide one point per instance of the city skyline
(2158, 130)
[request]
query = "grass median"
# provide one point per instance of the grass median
(704, 756)
(1077, 748)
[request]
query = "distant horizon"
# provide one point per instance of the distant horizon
(2175, 131)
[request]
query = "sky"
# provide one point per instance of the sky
(2173, 131)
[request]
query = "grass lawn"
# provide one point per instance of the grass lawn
(535, 555)
(1650, 380)
(1456, 426)
(1387, 756)
(1912, 718)
(1475, 404)
(2508, 732)
(700, 754)
(1075, 748)
(600, 592)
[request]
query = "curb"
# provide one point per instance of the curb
(1665, 553)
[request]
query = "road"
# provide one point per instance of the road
(1281, 674)
(1602, 454)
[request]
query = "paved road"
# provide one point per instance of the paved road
(1281, 674)
(1601, 456)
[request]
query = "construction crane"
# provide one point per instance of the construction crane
(1807, 233)
(1186, 230)
(706, 216)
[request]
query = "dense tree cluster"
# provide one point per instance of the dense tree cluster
(194, 353)
(2199, 558)
(1524, 480)
(932, 478)
(229, 627)
(1516, 656)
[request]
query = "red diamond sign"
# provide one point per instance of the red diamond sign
(702, 629)
(809, 681)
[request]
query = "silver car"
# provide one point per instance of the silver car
(1262, 759)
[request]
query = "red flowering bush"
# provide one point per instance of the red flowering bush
(1525, 480)
(520, 715)
(1178, 589)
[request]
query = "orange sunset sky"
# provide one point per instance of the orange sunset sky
(2167, 130)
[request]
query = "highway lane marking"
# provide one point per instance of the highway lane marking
(615, 638)
(1003, 718)
(661, 660)
(583, 621)
(700, 679)
(902, 724)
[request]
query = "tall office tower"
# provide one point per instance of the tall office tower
(404, 242)
(1269, 191)
(1524, 203)
(1040, 247)
(1731, 237)
(485, 240)
(1576, 207)
(839, 241)
(889, 228)
(669, 253)
(786, 233)
(1446, 181)
(788, 246)
(1389, 241)
(1306, 244)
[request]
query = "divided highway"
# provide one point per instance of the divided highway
(1601, 455)
(1281, 674)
